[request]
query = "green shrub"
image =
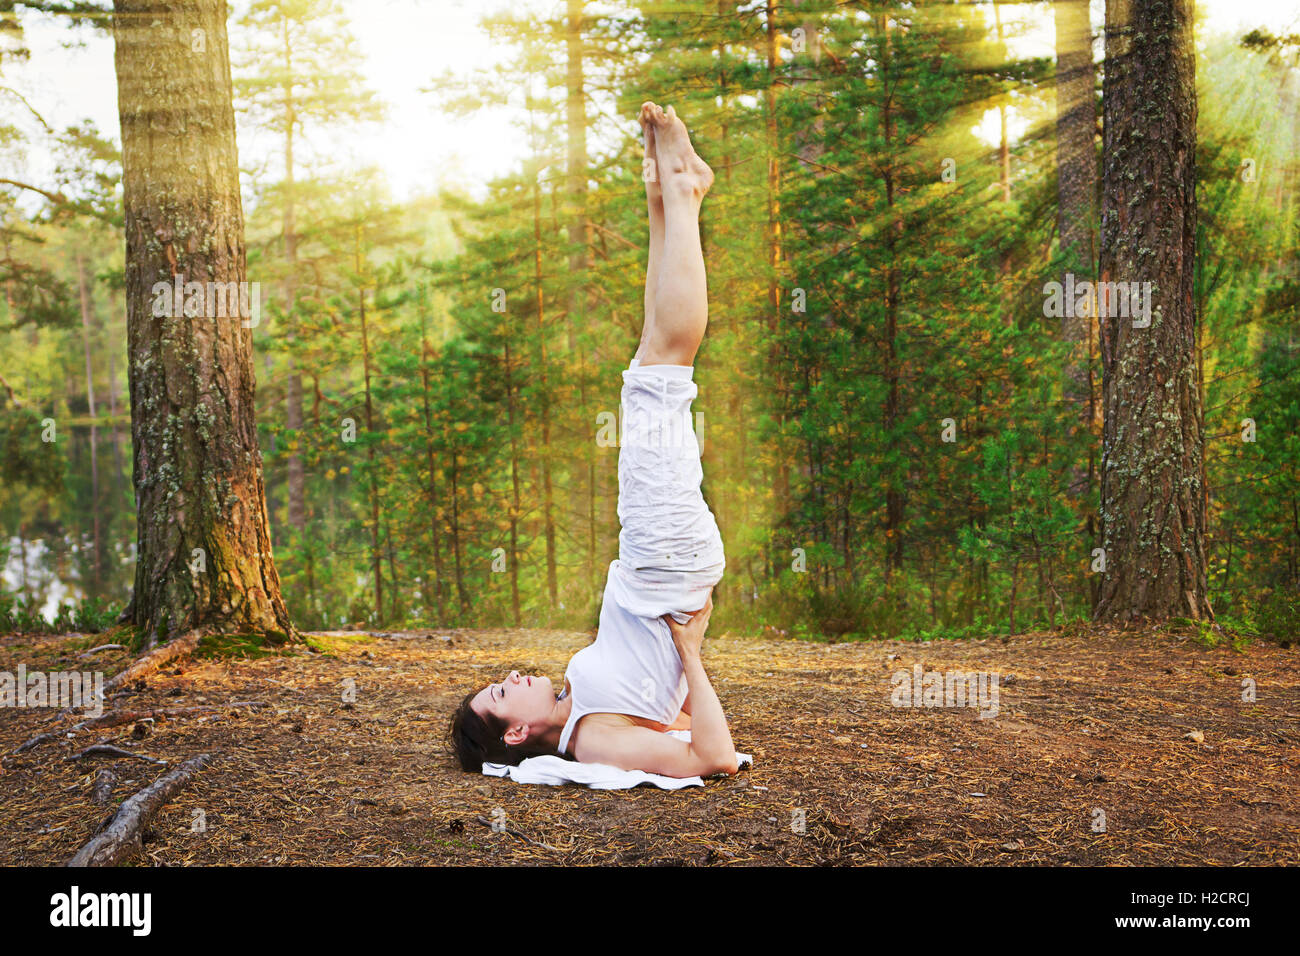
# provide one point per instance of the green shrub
(93, 615)
(1277, 616)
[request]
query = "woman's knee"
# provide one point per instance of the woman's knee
(673, 345)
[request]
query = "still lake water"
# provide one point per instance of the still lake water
(76, 542)
(79, 541)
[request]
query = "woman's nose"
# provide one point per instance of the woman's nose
(514, 676)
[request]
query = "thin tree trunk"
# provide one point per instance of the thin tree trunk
(1076, 165)
(375, 553)
(461, 594)
(1076, 131)
(775, 251)
(435, 519)
(548, 494)
(1011, 606)
(894, 500)
(773, 168)
(296, 471)
(1004, 180)
(1004, 143)
(515, 504)
(394, 590)
(83, 288)
(118, 468)
(578, 229)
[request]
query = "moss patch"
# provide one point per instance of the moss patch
(334, 643)
(237, 646)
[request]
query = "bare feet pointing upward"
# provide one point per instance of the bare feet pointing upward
(679, 168)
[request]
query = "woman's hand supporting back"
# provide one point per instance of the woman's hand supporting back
(640, 748)
(710, 735)
(690, 636)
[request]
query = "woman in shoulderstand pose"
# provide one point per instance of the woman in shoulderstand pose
(643, 674)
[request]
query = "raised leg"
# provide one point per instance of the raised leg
(680, 306)
(654, 198)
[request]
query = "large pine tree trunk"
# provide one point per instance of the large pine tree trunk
(1153, 497)
(198, 467)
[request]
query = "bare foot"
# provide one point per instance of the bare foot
(649, 170)
(679, 166)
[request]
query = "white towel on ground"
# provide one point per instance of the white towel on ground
(556, 771)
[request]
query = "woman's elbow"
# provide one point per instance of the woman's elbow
(706, 763)
(728, 765)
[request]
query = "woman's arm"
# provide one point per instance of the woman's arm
(710, 735)
(638, 748)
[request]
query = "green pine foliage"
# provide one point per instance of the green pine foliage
(887, 440)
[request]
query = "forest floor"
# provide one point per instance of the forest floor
(1109, 748)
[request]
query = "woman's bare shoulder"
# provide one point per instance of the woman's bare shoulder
(618, 740)
(600, 728)
(592, 728)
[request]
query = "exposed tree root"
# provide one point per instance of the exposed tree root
(117, 717)
(103, 647)
(108, 750)
(513, 832)
(174, 649)
(38, 740)
(122, 835)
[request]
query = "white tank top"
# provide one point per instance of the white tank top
(633, 668)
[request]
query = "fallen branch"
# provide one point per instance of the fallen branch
(117, 717)
(181, 646)
(108, 750)
(103, 647)
(514, 833)
(38, 740)
(114, 718)
(123, 833)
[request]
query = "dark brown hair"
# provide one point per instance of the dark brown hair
(475, 739)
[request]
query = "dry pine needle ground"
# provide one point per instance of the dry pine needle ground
(1144, 731)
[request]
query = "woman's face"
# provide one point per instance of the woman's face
(524, 702)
